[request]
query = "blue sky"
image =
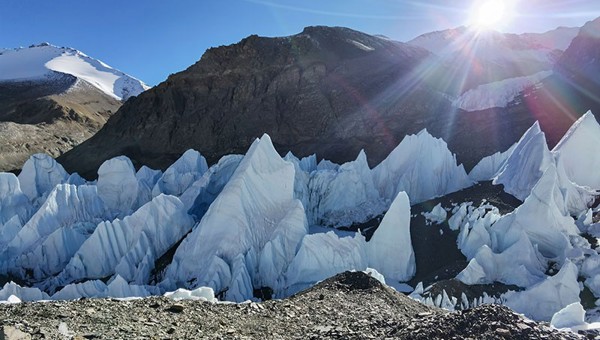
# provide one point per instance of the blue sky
(150, 39)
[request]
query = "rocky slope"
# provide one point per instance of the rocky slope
(347, 306)
(53, 98)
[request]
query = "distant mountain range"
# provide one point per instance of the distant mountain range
(53, 98)
(329, 90)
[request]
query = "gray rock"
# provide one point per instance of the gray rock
(11, 333)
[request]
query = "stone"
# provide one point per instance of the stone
(12, 333)
(176, 308)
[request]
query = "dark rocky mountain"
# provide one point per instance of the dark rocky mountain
(329, 90)
(53, 98)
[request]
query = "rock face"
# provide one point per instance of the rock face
(53, 98)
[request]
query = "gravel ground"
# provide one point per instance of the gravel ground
(347, 306)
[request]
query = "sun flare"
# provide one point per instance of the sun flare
(489, 14)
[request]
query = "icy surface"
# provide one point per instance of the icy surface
(497, 94)
(519, 265)
(437, 215)
(343, 196)
(255, 214)
(199, 294)
(42, 61)
(525, 164)
(129, 247)
(117, 184)
(117, 288)
(590, 269)
(23, 293)
(490, 166)
(242, 224)
(390, 250)
(474, 225)
(579, 159)
(53, 232)
(530, 158)
(13, 203)
(146, 179)
(181, 174)
(323, 255)
(423, 167)
(200, 195)
(542, 217)
(40, 174)
(547, 297)
(571, 316)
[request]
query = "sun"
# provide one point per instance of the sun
(489, 14)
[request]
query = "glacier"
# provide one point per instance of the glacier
(117, 184)
(262, 222)
(390, 250)
(200, 194)
(490, 166)
(13, 202)
(515, 248)
(499, 93)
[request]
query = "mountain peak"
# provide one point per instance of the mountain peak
(45, 61)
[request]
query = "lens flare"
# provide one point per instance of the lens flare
(489, 14)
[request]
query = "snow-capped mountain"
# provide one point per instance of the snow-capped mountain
(43, 61)
(53, 98)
